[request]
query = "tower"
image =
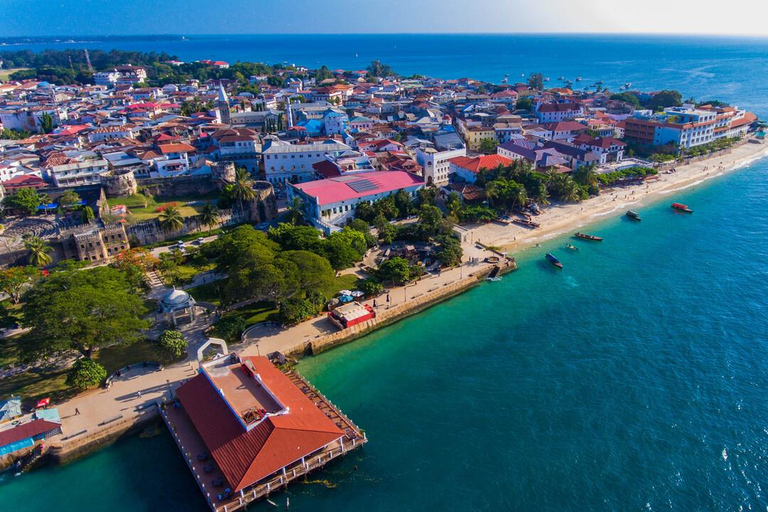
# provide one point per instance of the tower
(289, 112)
(222, 105)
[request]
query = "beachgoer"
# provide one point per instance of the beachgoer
(77, 411)
(138, 394)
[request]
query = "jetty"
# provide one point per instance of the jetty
(247, 429)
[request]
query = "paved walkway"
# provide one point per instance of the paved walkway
(142, 387)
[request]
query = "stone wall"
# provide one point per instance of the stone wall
(179, 186)
(389, 316)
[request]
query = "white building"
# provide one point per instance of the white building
(292, 163)
(81, 169)
(435, 164)
(331, 203)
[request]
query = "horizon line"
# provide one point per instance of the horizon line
(532, 33)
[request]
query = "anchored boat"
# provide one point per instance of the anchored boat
(634, 215)
(585, 236)
(681, 208)
(554, 261)
(571, 247)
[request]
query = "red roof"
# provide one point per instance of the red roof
(26, 180)
(247, 456)
(27, 430)
(565, 126)
(343, 188)
(175, 148)
(475, 164)
(748, 118)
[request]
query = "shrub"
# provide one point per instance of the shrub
(371, 287)
(173, 344)
(230, 328)
(86, 373)
(294, 310)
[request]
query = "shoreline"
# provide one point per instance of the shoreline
(560, 219)
(314, 336)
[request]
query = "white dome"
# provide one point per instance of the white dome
(176, 298)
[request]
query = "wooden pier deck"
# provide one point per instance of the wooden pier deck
(210, 478)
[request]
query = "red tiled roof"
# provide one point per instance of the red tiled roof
(24, 181)
(247, 456)
(175, 148)
(748, 118)
(475, 164)
(26, 430)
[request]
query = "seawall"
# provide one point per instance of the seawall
(385, 317)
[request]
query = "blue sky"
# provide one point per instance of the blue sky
(120, 17)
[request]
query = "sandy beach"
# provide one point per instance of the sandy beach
(557, 219)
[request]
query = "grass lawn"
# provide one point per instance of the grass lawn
(344, 282)
(9, 351)
(33, 386)
(255, 313)
(119, 356)
(6, 73)
(143, 207)
(208, 292)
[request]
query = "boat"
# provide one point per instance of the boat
(561, 78)
(681, 208)
(571, 247)
(526, 223)
(554, 261)
(634, 215)
(578, 79)
(585, 236)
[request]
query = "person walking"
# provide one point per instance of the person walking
(77, 411)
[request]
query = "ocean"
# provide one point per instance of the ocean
(727, 68)
(634, 379)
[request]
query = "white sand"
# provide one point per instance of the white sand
(557, 219)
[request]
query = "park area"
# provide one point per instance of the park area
(140, 207)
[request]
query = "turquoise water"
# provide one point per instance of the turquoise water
(705, 67)
(633, 379)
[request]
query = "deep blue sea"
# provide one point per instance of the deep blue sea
(635, 379)
(727, 68)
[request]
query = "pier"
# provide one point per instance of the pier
(211, 465)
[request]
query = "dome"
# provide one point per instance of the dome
(176, 298)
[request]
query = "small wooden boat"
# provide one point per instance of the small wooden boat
(634, 215)
(681, 208)
(571, 247)
(585, 236)
(554, 261)
(526, 223)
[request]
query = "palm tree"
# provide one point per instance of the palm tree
(518, 196)
(571, 192)
(210, 215)
(171, 219)
(492, 191)
(295, 211)
(242, 188)
(39, 251)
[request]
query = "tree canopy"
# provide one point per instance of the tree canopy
(82, 310)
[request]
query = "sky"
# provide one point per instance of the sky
(141, 17)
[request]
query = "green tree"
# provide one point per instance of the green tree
(171, 219)
(488, 146)
(172, 344)
(86, 373)
(230, 328)
(46, 123)
(665, 99)
(14, 280)
(82, 310)
(396, 270)
(39, 251)
(210, 215)
(449, 252)
(371, 287)
(295, 310)
(242, 188)
(377, 69)
(536, 81)
(88, 215)
(69, 198)
(524, 104)
(27, 200)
